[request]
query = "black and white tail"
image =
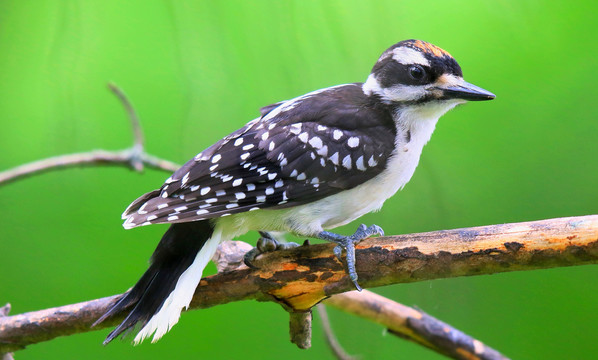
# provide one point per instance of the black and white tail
(167, 287)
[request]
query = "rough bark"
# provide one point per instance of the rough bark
(301, 277)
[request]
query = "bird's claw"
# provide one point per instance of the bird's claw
(266, 243)
(347, 243)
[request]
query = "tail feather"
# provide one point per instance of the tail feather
(168, 284)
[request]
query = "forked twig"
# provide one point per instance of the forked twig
(134, 157)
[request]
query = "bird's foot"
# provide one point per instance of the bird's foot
(266, 243)
(347, 243)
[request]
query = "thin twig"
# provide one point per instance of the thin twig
(303, 276)
(331, 339)
(134, 157)
(414, 325)
(91, 158)
(138, 141)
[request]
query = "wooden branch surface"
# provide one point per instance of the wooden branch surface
(413, 325)
(301, 277)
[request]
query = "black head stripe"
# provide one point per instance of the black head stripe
(390, 72)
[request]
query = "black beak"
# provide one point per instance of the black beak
(466, 91)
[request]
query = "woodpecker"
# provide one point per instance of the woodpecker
(304, 166)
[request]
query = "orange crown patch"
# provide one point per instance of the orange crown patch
(430, 49)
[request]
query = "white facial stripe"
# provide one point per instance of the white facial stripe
(393, 93)
(407, 56)
(449, 80)
(403, 92)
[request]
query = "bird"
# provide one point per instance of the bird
(304, 166)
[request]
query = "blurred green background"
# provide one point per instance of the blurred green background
(197, 70)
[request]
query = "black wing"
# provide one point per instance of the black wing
(300, 151)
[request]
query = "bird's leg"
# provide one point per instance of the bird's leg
(266, 243)
(347, 243)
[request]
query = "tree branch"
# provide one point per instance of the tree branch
(4, 312)
(134, 157)
(301, 277)
(413, 325)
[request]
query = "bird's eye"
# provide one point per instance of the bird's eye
(417, 72)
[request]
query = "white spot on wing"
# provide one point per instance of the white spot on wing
(372, 162)
(347, 162)
(220, 193)
(316, 142)
(295, 129)
(204, 190)
(237, 182)
(239, 141)
(359, 163)
(334, 158)
(337, 134)
(240, 195)
(216, 158)
(185, 178)
(303, 137)
(353, 142)
(323, 151)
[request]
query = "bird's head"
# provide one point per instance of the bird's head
(419, 74)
